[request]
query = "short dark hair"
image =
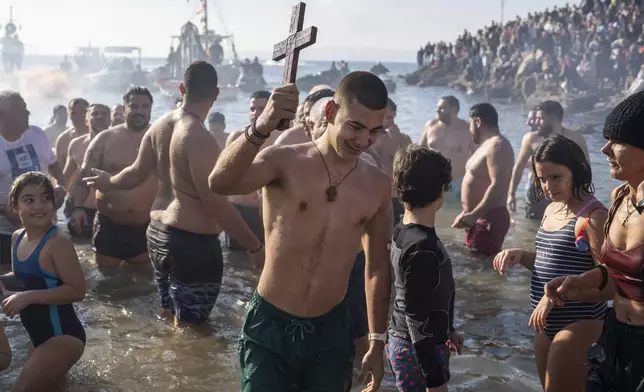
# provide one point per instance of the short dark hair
(29, 178)
(216, 118)
(137, 90)
(261, 94)
(200, 80)
(420, 175)
(563, 151)
(452, 101)
(391, 105)
(316, 96)
(552, 108)
(58, 107)
(75, 101)
(486, 113)
(365, 87)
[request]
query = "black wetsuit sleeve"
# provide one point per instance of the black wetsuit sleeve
(427, 327)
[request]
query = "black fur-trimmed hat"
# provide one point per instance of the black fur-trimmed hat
(626, 122)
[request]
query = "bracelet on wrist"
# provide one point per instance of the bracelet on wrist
(253, 127)
(252, 138)
(604, 272)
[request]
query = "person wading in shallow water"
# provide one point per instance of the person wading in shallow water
(568, 241)
(186, 218)
(321, 199)
(615, 361)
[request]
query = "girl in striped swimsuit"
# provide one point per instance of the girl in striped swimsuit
(568, 242)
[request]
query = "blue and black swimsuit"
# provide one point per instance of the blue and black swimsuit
(43, 322)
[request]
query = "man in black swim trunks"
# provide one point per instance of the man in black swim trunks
(122, 218)
(98, 120)
(186, 217)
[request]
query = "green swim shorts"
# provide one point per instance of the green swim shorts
(280, 352)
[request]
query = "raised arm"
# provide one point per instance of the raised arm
(240, 169)
(522, 161)
(499, 165)
(201, 160)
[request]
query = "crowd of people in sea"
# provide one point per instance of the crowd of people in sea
(593, 45)
(332, 210)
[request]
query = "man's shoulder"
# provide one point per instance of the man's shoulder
(432, 124)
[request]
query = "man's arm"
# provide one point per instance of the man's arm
(500, 172)
(70, 167)
(241, 169)
(423, 136)
(144, 165)
(522, 161)
(376, 237)
(233, 136)
(201, 160)
(61, 149)
(93, 159)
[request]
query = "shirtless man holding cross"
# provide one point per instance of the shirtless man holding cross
(320, 200)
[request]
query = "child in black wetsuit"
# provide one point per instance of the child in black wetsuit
(46, 266)
(421, 333)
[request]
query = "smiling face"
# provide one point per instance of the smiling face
(626, 162)
(556, 181)
(35, 205)
(352, 128)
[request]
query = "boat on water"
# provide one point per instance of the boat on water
(219, 50)
(12, 49)
(122, 68)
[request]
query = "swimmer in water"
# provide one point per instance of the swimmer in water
(117, 115)
(77, 111)
(186, 218)
(485, 217)
(449, 135)
(122, 217)
(321, 200)
(98, 118)
(57, 124)
(47, 267)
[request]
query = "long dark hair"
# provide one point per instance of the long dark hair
(563, 151)
(29, 178)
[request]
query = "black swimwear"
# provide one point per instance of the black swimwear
(5, 249)
(88, 230)
(357, 299)
(615, 361)
(118, 241)
(43, 322)
(423, 311)
(188, 269)
(253, 218)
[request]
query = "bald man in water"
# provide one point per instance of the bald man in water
(321, 199)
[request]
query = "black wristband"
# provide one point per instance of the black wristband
(252, 252)
(253, 128)
(640, 207)
(604, 271)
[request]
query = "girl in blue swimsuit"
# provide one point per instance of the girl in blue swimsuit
(45, 264)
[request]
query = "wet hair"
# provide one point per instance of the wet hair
(29, 178)
(137, 90)
(57, 108)
(200, 80)
(99, 105)
(553, 108)
(317, 110)
(452, 101)
(391, 105)
(216, 118)
(77, 101)
(316, 96)
(365, 87)
(621, 193)
(420, 175)
(563, 151)
(262, 94)
(486, 113)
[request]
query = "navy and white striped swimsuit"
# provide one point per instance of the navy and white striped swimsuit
(558, 256)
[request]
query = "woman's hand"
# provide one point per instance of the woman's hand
(540, 313)
(507, 259)
(15, 303)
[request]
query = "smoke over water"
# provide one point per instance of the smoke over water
(41, 83)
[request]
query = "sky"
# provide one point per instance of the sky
(353, 30)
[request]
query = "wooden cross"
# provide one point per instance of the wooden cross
(290, 48)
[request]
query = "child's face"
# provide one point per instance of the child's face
(35, 206)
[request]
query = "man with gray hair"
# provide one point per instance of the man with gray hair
(24, 148)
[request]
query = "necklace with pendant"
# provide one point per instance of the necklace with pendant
(628, 212)
(332, 190)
